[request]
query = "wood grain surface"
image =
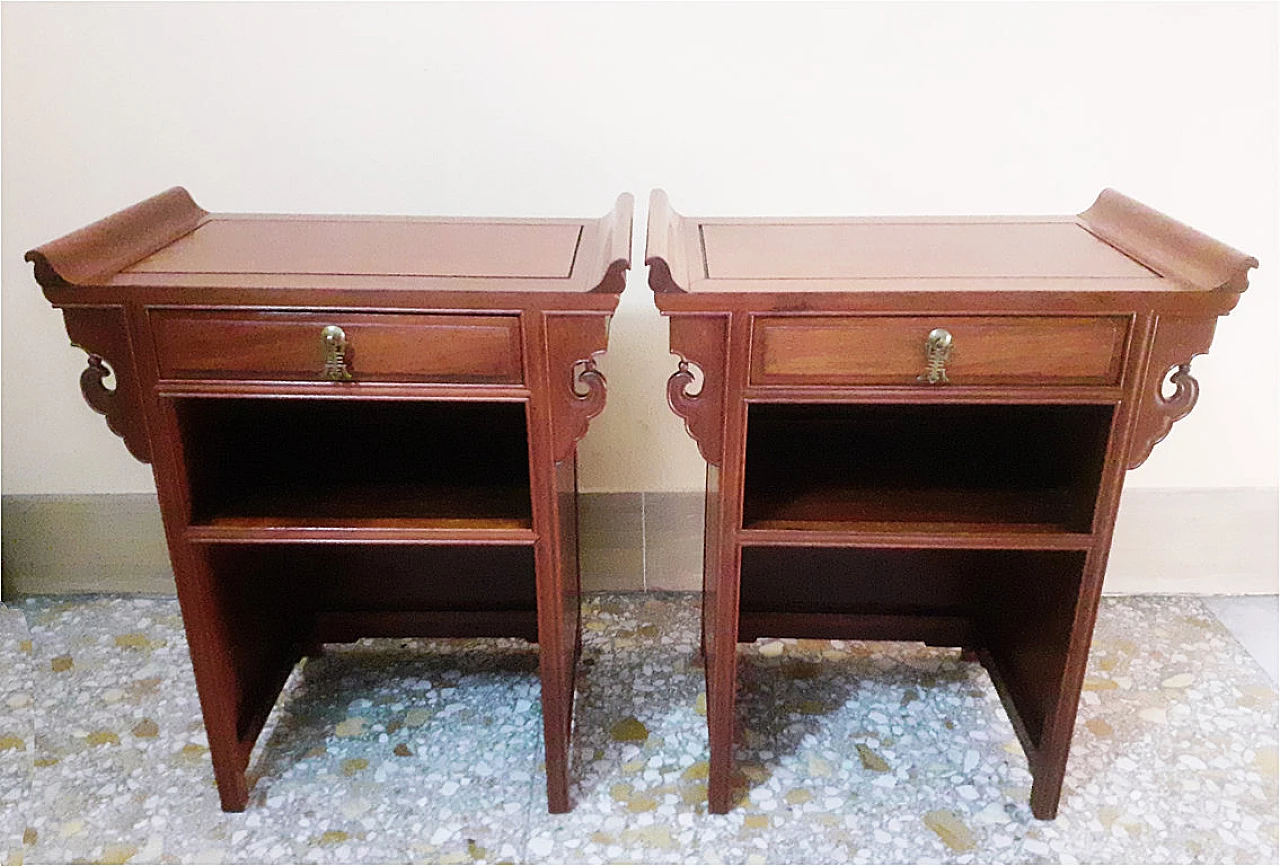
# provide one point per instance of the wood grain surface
(849, 496)
(430, 491)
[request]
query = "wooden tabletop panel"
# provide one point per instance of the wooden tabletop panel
(169, 242)
(865, 249)
(1116, 246)
(351, 246)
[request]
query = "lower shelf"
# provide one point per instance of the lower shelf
(347, 626)
(1017, 607)
(933, 629)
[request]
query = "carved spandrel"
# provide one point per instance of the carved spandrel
(1175, 343)
(589, 383)
(93, 387)
(682, 390)
(701, 341)
(578, 388)
(102, 333)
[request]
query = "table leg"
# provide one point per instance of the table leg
(721, 608)
(559, 630)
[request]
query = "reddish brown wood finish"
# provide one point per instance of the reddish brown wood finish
(433, 493)
(104, 333)
(885, 350)
(381, 347)
(977, 512)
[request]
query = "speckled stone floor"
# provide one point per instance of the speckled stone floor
(418, 751)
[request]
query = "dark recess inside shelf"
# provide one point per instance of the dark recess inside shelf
(1018, 605)
(922, 466)
(375, 577)
(447, 463)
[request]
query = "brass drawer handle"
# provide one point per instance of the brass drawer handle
(937, 349)
(335, 354)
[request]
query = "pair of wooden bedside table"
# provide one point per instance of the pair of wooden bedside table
(915, 429)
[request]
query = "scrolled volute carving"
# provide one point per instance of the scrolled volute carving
(698, 341)
(1176, 342)
(102, 333)
(589, 386)
(108, 403)
(1163, 412)
(577, 387)
(679, 397)
(1186, 390)
(700, 410)
(581, 400)
(100, 398)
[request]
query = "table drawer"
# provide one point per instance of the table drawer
(377, 347)
(893, 350)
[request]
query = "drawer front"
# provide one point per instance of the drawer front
(893, 350)
(378, 347)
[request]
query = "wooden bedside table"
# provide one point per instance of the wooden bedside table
(918, 429)
(359, 426)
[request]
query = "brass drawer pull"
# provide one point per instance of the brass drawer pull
(335, 354)
(937, 349)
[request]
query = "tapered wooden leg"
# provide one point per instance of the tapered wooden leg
(719, 432)
(568, 391)
(559, 628)
(556, 734)
(556, 650)
(233, 788)
(720, 728)
(1046, 791)
(1051, 761)
(216, 679)
(702, 638)
(722, 681)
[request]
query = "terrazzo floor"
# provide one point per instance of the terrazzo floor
(425, 751)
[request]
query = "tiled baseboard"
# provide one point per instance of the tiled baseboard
(63, 544)
(1208, 541)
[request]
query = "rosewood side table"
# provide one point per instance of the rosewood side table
(918, 429)
(359, 427)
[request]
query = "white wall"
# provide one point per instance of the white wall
(553, 109)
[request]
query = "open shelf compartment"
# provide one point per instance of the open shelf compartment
(1015, 608)
(958, 468)
(257, 464)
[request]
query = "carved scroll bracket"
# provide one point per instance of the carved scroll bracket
(102, 333)
(1175, 343)
(101, 399)
(1186, 390)
(700, 341)
(682, 394)
(589, 386)
(578, 387)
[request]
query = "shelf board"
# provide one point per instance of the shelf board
(265, 530)
(347, 625)
(954, 536)
(881, 510)
(438, 513)
(935, 629)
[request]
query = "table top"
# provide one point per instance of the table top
(170, 241)
(922, 250)
(1118, 245)
(352, 246)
